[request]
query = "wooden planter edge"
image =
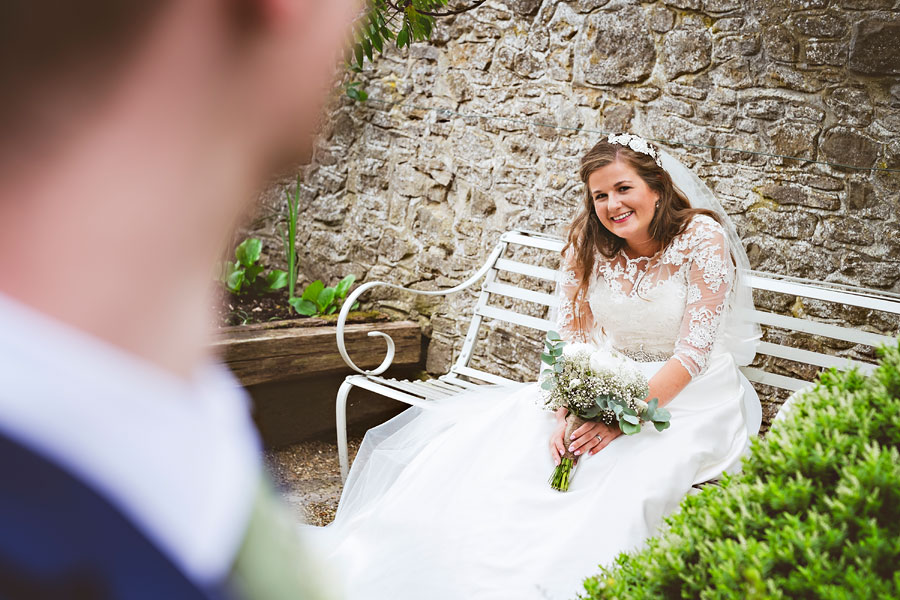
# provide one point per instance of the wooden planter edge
(259, 355)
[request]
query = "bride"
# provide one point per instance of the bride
(453, 502)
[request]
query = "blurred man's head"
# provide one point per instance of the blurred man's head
(62, 61)
(135, 134)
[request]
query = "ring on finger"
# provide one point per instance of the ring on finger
(599, 437)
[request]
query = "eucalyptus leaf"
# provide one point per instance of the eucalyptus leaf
(553, 336)
(633, 419)
(558, 367)
(548, 384)
(590, 412)
(628, 428)
(557, 351)
(661, 426)
(628, 410)
(547, 358)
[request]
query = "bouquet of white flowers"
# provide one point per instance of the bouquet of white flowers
(594, 385)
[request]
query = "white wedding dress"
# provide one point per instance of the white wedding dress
(453, 502)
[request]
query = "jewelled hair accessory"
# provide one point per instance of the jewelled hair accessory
(636, 143)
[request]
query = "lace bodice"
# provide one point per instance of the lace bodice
(655, 307)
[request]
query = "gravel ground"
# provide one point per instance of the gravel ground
(309, 477)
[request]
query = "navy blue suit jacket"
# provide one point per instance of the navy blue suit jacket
(61, 539)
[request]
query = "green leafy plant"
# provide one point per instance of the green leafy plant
(246, 274)
(815, 512)
(289, 238)
(398, 21)
(320, 300)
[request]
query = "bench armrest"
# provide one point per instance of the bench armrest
(345, 310)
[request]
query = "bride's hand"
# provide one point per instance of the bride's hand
(557, 443)
(585, 439)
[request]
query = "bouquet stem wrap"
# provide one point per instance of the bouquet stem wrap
(562, 474)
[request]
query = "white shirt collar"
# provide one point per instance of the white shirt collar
(180, 458)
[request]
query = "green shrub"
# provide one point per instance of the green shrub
(814, 514)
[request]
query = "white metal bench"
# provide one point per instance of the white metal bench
(501, 264)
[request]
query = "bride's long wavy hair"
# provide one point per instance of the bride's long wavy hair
(587, 235)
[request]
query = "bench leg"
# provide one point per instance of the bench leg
(341, 419)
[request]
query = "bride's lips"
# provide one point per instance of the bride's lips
(622, 218)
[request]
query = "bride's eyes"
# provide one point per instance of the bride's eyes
(601, 196)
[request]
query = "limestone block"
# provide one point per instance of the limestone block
(845, 146)
(793, 138)
(660, 19)
(819, 25)
(730, 46)
(779, 43)
(686, 51)
(697, 91)
(869, 272)
(617, 118)
(718, 6)
(523, 7)
(848, 230)
(615, 47)
(851, 106)
(733, 73)
(686, 4)
(875, 48)
(786, 224)
(787, 194)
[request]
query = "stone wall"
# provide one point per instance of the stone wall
(418, 196)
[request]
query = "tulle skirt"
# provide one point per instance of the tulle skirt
(452, 502)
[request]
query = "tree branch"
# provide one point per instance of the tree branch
(450, 12)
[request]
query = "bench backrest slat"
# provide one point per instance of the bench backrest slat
(807, 290)
(541, 246)
(511, 266)
(812, 358)
(774, 379)
(836, 332)
(512, 291)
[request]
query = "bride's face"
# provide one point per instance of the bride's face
(624, 203)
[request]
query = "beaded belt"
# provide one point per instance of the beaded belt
(641, 355)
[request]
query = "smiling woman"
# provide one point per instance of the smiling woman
(631, 206)
(625, 205)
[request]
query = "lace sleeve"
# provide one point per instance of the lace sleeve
(569, 307)
(711, 274)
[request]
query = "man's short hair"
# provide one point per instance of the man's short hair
(45, 42)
